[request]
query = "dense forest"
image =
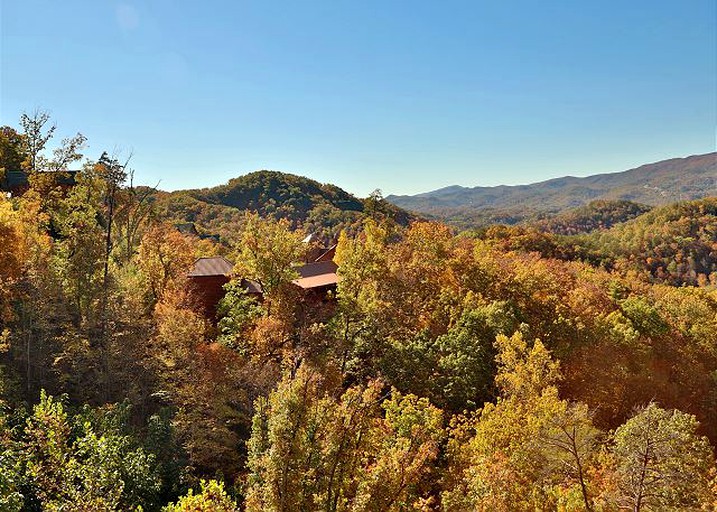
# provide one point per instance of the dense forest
(506, 369)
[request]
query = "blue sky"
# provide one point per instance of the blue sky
(406, 96)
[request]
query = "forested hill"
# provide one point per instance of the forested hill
(319, 208)
(596, 215)
(658, 183)
(674, 244)
(272, 191)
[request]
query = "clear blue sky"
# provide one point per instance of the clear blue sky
(406, 96)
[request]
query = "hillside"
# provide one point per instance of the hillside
(324, 209)
(674, 244)
(596, 215)
(658, 183)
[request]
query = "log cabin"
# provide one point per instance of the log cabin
(317, 279)
(208, 277)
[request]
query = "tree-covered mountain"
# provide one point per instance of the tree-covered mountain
(658, 183)
(268, 192)
(323, 209)
(596, 215)
(674, 244)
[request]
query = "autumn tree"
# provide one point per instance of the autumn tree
(36, 135)
(202, 381)
(312, 449)
(164, 258)
(660, 462)
(13, 258)
(133, 216)
(211, 498)
(12, 150)
(268, 253)
(530, 450)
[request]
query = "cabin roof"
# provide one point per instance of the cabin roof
(310, 238)
(19, 179)
(187, 228)
(328, 254)
(311, 275)
(316, 275)
(252, 286)
(14, 179)
(215, 266)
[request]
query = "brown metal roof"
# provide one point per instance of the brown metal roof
(328, 254)
(312, 275)
(251, 286)
(216, 266)
(315, 275)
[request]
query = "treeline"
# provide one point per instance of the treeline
(447, 373)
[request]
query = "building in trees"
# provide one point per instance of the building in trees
(317, 280)
(208, 277)
(327, 254)
(17, 182)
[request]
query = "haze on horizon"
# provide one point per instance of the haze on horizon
(403, 96)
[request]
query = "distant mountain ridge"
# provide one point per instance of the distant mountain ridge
(658, 183)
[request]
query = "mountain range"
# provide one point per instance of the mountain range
(653, 184)
(325, 209)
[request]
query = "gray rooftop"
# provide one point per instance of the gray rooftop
(216, 266)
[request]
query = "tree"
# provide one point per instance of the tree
(13, 150)
(36, 137)
(67, 153)
(530, 450)
(112, 174)
(237, 311)
(165, 256)
(133, 216)
(31, 306)
(86, 459)
(660, 461)
(456, 369)
(313, 449)
(11, 499)
(13, 258)
(212, 498)
(569, 440)
(268, 253)
(400, 476)
(524, 372)
(305, 447)
(48, 450)
(202, 381)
